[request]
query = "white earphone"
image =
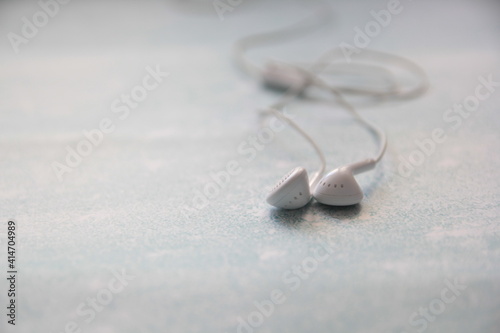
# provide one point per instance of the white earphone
(338, 187)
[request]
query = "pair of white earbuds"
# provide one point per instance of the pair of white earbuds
(338, 187)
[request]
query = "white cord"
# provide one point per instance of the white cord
(317, 175)
(312, 74)
(305, 26)
(335, 70)
(373, 128)
(335, 55)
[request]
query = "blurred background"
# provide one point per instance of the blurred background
(116, 115)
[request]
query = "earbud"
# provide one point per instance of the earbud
(292, 191)
(339, 187)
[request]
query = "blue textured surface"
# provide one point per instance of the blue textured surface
(201, 271)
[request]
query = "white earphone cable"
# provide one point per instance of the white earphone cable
(330, 56)
(312, 76)
(348, 106)
(305, 26)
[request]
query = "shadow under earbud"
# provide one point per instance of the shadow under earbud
(338, 212)
(289, 217)
(293, 218)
